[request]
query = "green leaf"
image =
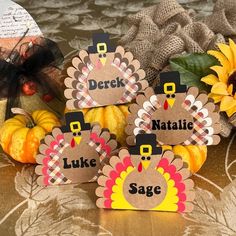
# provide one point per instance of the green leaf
(192, 67)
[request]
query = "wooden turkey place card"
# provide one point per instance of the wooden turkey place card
(145, 178)
(103, 75)
(175, 113)
(74, 153)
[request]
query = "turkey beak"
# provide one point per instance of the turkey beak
(171, 101)
(78, 139)
(145, 164)
(103, 61)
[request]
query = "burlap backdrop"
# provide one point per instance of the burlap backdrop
(167, 29)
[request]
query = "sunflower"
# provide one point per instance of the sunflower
(223, 83)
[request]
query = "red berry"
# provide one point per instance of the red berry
(47, 97)
(29, 88)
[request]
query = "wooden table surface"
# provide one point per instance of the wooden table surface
(27, 209)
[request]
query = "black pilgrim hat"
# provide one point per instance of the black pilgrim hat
(170, 77)
(145, 143)
(76, 120)
(101, 38)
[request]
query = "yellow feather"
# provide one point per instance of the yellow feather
(161, 170)
(118, 198)
(118, 181)
(115, 189)
(171, 183)
(167, 176)
(171, 199)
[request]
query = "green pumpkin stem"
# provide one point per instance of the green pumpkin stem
(29, 119)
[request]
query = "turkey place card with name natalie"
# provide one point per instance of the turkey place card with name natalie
(145, 178)
(74, 153)
(103, 75)
(175, 113)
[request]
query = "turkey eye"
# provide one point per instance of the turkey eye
(143, 158)
(79, 133)
(173, 95)
(100, 55)
(74, 134)
(168, 95)
(148, 158)
(104, 55)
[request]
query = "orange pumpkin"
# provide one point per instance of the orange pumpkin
(195, 156)
(112, 117)
(20, 136)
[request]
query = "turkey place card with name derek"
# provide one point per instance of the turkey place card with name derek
(175, 113)
(74, 153)
(145, 178)
(103, 75)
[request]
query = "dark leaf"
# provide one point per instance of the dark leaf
(192, 67)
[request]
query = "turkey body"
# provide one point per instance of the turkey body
(176, 114)
(100, 79)
(106, 90)
(83, 159)
(145, 190)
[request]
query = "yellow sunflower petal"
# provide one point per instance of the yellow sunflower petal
(225, 49)
(221, 58)
(221, 72)
(233, 49)
(220, 89)
(210, 79)
(230, 89)
(215, 97)
(227, 103)
(231, 111)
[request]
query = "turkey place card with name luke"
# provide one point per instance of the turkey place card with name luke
(74, 153)
(145, 178)
(175, 113)
(103, 75)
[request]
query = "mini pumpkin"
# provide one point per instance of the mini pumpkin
(195, 156)
(20, 136)
(112, 117)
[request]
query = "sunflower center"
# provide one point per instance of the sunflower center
(232, 80)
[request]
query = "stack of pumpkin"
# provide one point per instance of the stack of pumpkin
(20, 136)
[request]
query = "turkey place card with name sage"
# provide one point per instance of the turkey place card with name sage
(74, 153)
(103, 75)
(145, 178)
(175, 113)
